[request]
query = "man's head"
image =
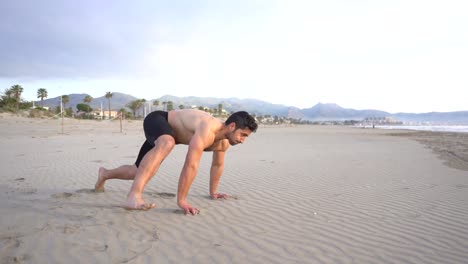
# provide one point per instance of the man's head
(241, 124)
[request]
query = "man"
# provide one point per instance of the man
(197, 129)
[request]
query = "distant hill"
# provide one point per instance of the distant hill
(319, 112)
(459, 117)
(254, 106)
(333, 112)
(118, 101)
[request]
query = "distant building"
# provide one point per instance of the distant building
(382, 121)
(104, 114)
(34, 106)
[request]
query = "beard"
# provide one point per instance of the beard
(233, 142)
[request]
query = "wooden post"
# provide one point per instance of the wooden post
(121, 115)
(61, 110)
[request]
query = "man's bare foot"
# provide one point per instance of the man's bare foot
(135, 202)
(99, 187)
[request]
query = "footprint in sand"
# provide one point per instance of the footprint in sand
(163, 195)
(85, 191)
(230, 197)
(166, 195)
(18, 259)
(27, 190)
(63, 195)
(101, 248)
(11, 242)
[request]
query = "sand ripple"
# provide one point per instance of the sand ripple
(300, 195)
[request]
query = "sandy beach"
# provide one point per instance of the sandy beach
(303, 194)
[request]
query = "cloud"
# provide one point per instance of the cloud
(97, 39)
(350, 53)
(56, 39)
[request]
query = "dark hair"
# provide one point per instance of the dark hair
(242, 120)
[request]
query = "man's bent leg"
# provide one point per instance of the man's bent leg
(125, 172)
(147, 168)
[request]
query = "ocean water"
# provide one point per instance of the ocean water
(444, 128)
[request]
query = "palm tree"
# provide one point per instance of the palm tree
(8, 93)
(42, 93)
(170, 106)
(142, 104)
(16, 90)
(135, 105)
(65, 100)
(87, 99)
(124, 112)
(156, 103)
(109, 96)
(220, 109)
(7, 98)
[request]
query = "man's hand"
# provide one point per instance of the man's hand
(188, 209)
(215, 196)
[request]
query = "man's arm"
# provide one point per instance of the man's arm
(189, 171)
(217, 167)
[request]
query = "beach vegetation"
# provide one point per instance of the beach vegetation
(16, 91)
(156, 103)
(85, 108)
(57, 109)
(7, 100)
(69, 111)
(125, 113)
(40, 112)
(135, 105)
(220, 109)
(169, 106)
(87, 99)
(42, 93)
(10, 99)
(65, 100)
(108, 97)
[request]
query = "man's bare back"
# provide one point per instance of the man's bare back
(187, 122)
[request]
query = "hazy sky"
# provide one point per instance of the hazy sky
(396, 56)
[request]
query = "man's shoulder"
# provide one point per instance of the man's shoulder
(221, 145)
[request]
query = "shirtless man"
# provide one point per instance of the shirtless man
(197, 129)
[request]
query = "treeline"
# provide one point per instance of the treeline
(11, 101)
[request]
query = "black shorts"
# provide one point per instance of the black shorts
(155, 125)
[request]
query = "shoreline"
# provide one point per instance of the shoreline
(452, 147)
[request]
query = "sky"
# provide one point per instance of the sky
(395, 56)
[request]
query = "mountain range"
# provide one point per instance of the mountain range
(319, 112)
